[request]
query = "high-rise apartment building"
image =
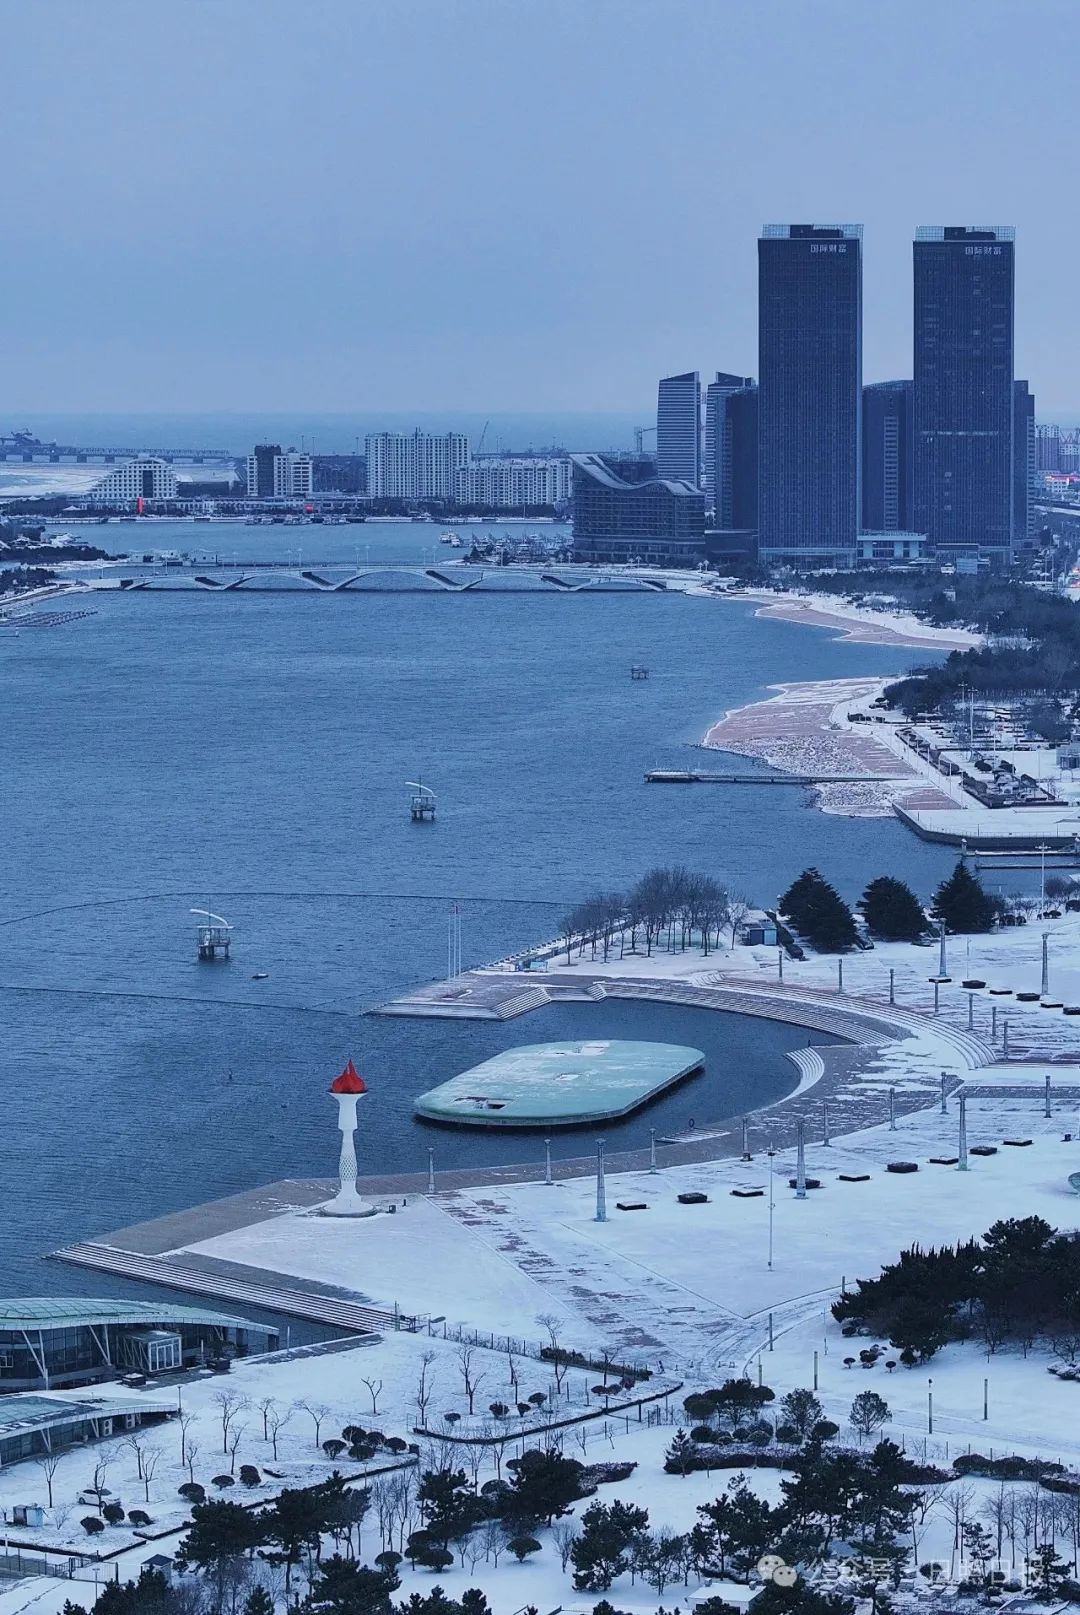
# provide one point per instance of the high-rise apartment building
(506, 483)
(260, 470)
(887, 471)
(963, 388)
(678, 428)
(148, 477)
(718, 444)
(810, 393)
(272, 474)
(416, 466)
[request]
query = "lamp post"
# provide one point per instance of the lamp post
(548, 1179)
(652, 1149)
(772, 1199)
(430, 1170)
(746, 1140)
(929, 1407)
(892, 1110)
(601, 1193)
(800, 1160)
(892, 985)
(962, 1147)
(942, 968)
(1044, 988)
(825, 1139)
(944, 1080)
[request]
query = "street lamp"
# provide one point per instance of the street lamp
(929, 1407)
(771, 1152)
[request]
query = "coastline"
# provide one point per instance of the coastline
(857, 624)
(804, 726)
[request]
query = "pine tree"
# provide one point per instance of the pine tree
(258, 1602)
(892, 910)
(819, 912)
(962, 902)
(678, 1460)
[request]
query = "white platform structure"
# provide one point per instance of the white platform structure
(347, 1089)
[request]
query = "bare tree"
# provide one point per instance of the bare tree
(184, 1423)
(493, 1535)
(404, 1500)
(151, 1457)
(425, 1386)
(564, 1533)
(229, 1406)
(97, 1485)
(956, 1501)
(581, 1436)
(382, 1496)
(736, 910)
(266, 1407)
(551, 1322)
(471, 1377)
(277, 1419)
(192, 1454)
(236, 1435)
(48, 1463)
(374, 1390)
(316, 1412)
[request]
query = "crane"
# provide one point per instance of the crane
(639, 433)
(480, 445)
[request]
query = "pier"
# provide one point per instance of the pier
(680, 776)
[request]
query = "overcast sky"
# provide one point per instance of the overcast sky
(499, 204)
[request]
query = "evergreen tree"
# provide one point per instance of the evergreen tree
(892, 911)
(680, 1455)
(258, 1602)
(544, 1485)
(347, 1588)
(819, 913)
(801, 1410)
(962, 902)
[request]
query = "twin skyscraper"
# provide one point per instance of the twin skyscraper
(828, 473)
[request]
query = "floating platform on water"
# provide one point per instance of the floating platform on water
(560, 1084)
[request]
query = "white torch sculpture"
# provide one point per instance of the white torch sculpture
(347, 1089)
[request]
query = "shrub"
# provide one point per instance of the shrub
(333, 1448)
(92, 1525)
(522, 1546)
(192, 1491)
(498, 1410)
(222, 1481)
(113, 1512)
(703, 1432)
(249, 1475)
(139, 1517)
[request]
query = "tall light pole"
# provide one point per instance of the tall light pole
(772, 1198)
(548, 1179)
(962, 1147)
(1044, 988)
(929, 1407)
(601, 1192)
(800, 1160)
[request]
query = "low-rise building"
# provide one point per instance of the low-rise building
(48, 1342)
(658, 522)
(30, 1425)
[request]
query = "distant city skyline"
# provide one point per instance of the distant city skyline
(497, 209)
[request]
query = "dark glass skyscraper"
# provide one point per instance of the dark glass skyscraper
(963, 392)
(810, 393)
(719, 491)
(887, 458)
(678, 428)
(1023, 463)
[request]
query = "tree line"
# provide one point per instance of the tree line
(673, 905)
(890, 909)
(1019, 1282)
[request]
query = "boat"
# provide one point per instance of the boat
(450, 538)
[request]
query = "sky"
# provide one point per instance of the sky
(499, 205)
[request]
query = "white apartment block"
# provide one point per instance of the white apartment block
(292, 475)
(514, 482)
(416, 466)
(144, 478)
(272, 474)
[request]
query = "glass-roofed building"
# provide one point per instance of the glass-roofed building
(47, 1342)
